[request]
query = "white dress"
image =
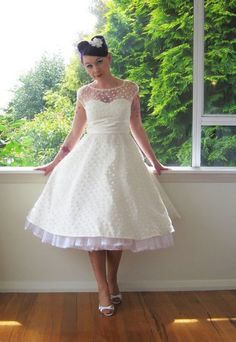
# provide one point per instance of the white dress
(102, 195)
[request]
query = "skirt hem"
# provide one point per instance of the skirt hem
(101, 243)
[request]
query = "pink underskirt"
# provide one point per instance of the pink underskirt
(100, 243)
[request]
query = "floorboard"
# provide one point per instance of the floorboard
(186, 316)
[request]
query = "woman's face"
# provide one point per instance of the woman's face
(97, 66)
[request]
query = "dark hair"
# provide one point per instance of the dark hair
(96, 47)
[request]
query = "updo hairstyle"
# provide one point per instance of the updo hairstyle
(95, 47)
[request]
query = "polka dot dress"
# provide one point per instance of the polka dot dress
(102, 195)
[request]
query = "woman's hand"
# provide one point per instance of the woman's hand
(46, 168)
(159, 168)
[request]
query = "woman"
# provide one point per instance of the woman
(100, 196)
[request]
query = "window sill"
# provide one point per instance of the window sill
(175, 175)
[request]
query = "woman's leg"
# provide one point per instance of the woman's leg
(98, 261)
(113, 261)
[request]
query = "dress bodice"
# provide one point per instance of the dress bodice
(108, 110)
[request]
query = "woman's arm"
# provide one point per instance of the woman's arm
(78, 126)
(141, 137)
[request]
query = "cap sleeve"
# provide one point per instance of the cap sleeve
(134, 89)
(80, 95)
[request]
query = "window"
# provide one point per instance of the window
(182, 53)
(214, 95)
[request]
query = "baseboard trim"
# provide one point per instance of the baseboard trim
(90, 286)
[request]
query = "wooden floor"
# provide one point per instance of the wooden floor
(142, 317)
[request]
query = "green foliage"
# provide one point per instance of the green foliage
(218, 146)
(75, 76)
(28, 95)
(36, 141)
(151, 42)
(13, 146)
(47, 132)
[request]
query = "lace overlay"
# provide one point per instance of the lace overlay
(127, 90)
(102, 195)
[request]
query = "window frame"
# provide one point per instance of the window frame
(199, 118)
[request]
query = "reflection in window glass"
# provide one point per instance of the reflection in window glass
(220, 57)
(218, 146)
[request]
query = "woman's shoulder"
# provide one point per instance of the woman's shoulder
(132, 86)
(82, 91)
(82, 88)
(131, 83)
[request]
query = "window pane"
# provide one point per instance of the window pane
(218, 146)
(220, 57)
(167, 80)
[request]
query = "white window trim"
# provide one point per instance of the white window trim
(201, 119)
(198, 80)
(27, 174)
(218, 119)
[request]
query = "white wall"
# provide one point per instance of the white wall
(203, 256)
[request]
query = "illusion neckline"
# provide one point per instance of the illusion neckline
(103, 89)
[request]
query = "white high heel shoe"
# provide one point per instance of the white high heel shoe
(116, 299)
(109, 307)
